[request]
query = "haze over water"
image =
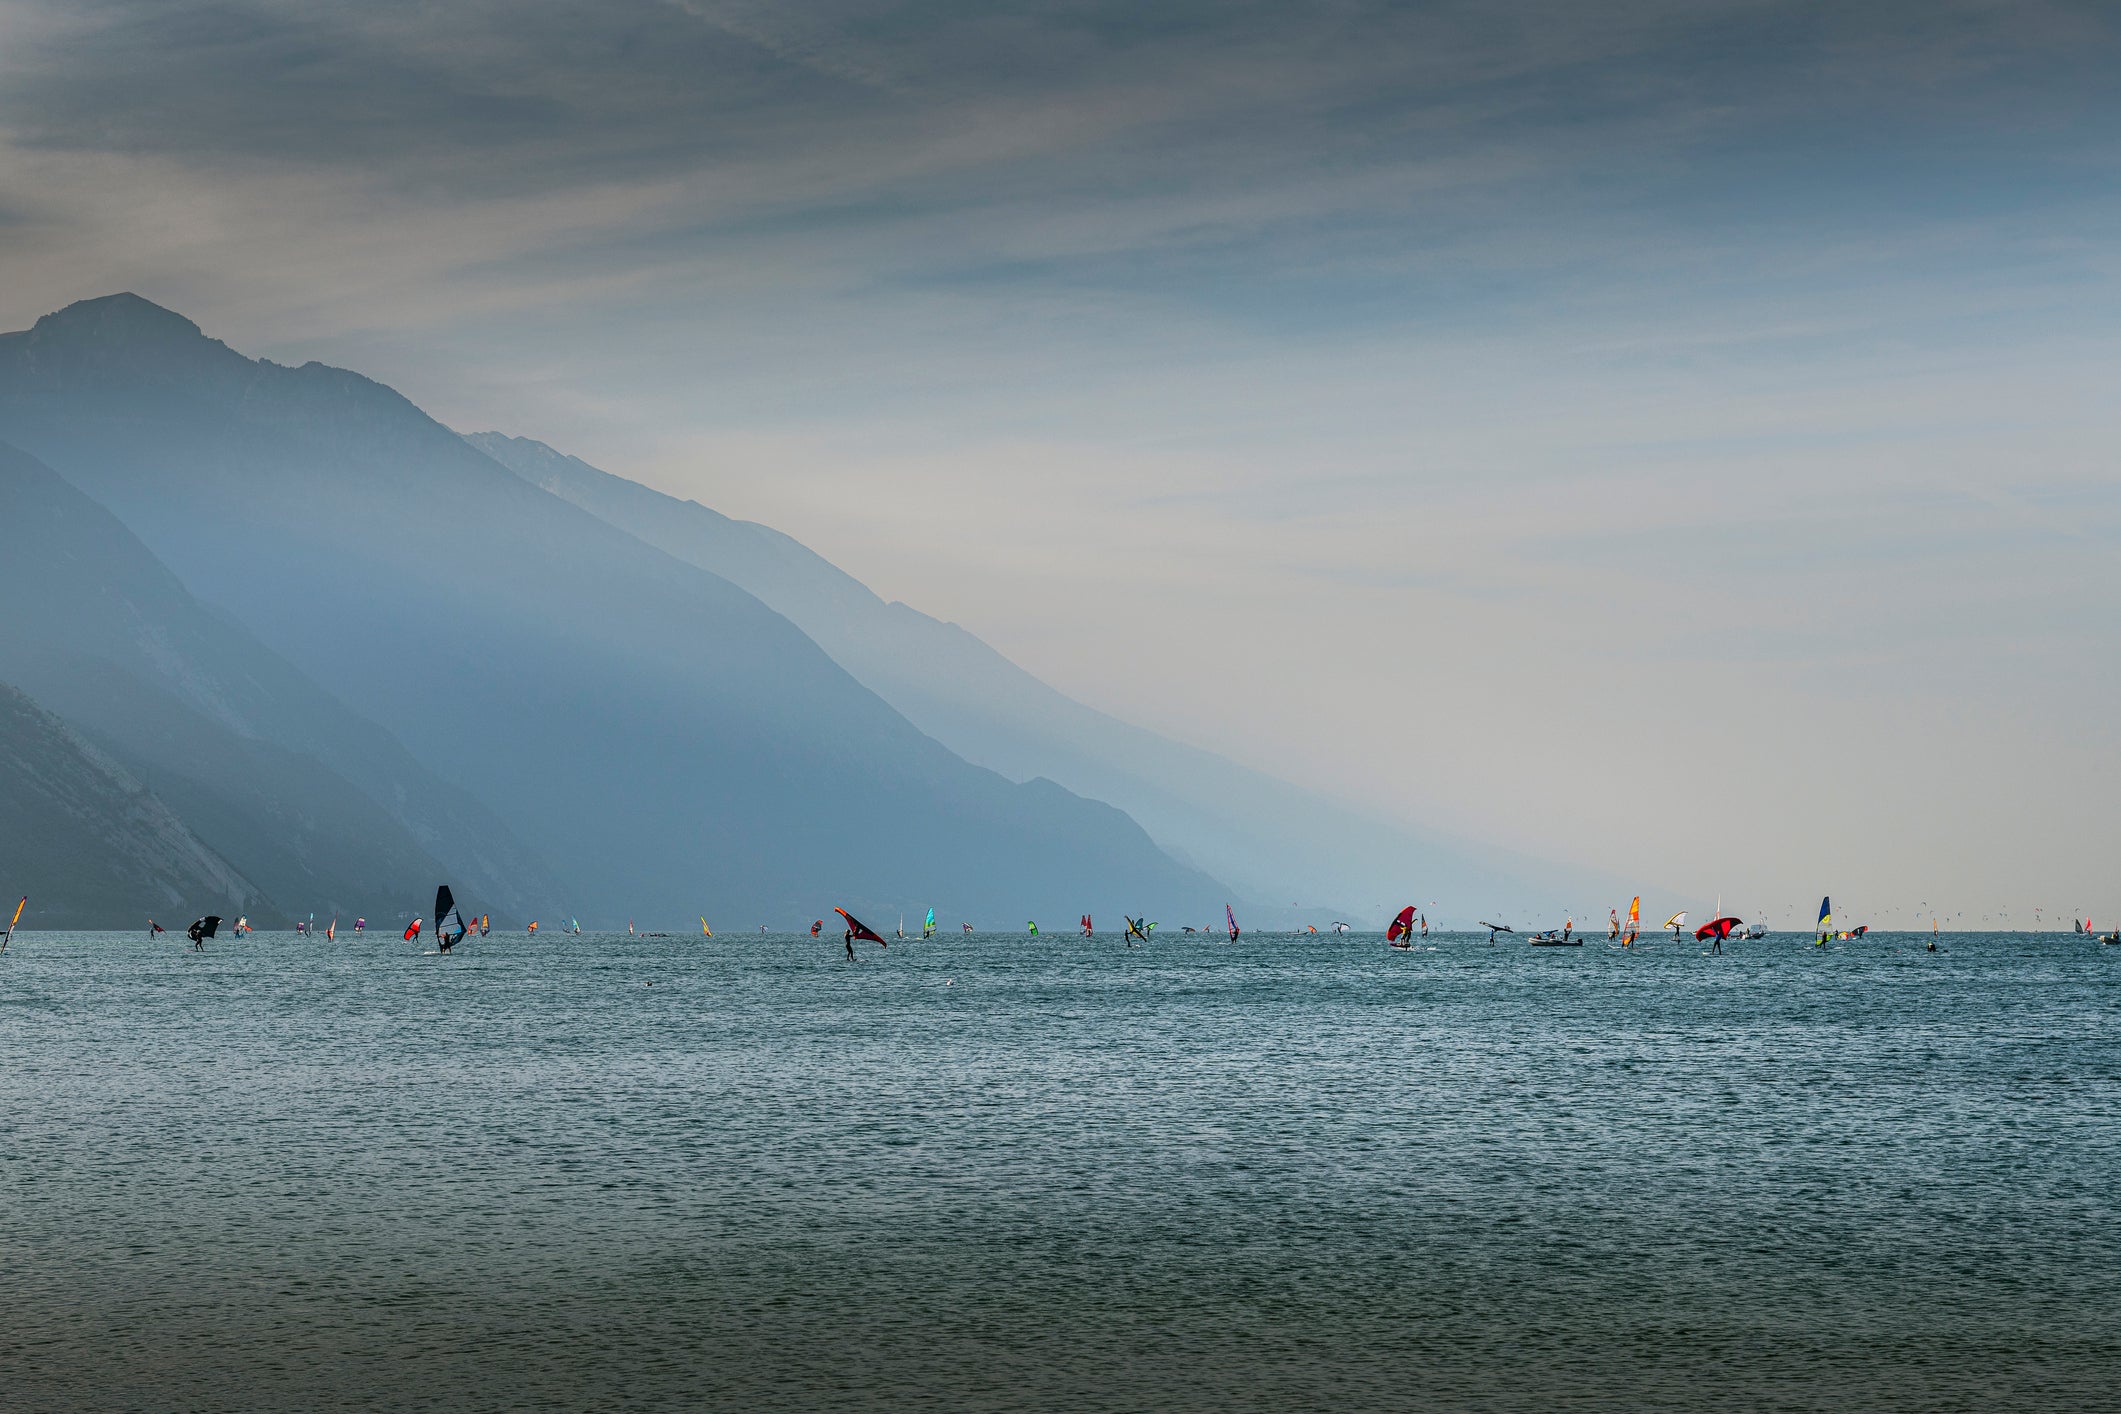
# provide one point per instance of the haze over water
(993, 1172)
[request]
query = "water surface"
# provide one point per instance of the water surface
(990, 1172)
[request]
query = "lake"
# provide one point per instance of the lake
(994, 1172)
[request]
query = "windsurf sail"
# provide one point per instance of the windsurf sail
(860, 929)
(928, 925)
(449, 924)
(331, 930)
(1634, 921)
(1402, 926)
(1234, 929)
(1425, 925)
(706, 931)
(629, 929)
(1826, 919)
(18, 918)
(485, 924)
(1084, 923)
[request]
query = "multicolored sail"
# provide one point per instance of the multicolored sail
(1402, 926)
(1826, 919)
(928, 925)
(449, 924)
(18, 918)
(1234, 929)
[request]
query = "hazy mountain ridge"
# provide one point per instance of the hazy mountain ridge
(238, 742)
(90, 844)
(1271, 840)
(672, 744)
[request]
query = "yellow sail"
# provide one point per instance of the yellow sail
(705, 929)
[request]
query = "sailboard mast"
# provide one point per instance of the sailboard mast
(12, 922)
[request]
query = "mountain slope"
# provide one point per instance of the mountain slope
(90, 844)
(239, 743)
(1272, 840)
(669, 742)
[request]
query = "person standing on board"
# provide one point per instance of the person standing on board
(850, 947)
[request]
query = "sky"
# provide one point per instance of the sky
(1677, 438)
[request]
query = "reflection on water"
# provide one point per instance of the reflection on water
(994, 1172)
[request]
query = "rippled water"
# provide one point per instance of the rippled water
(988, 1172)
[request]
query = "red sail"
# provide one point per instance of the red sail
(1402, 925)
(861, 929)
(1716, 928)
(413, 931)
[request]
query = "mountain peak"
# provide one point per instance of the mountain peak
(124, 314)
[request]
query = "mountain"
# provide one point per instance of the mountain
(669, 743)
(321, 809)
(89, 843)
(1274, 841)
